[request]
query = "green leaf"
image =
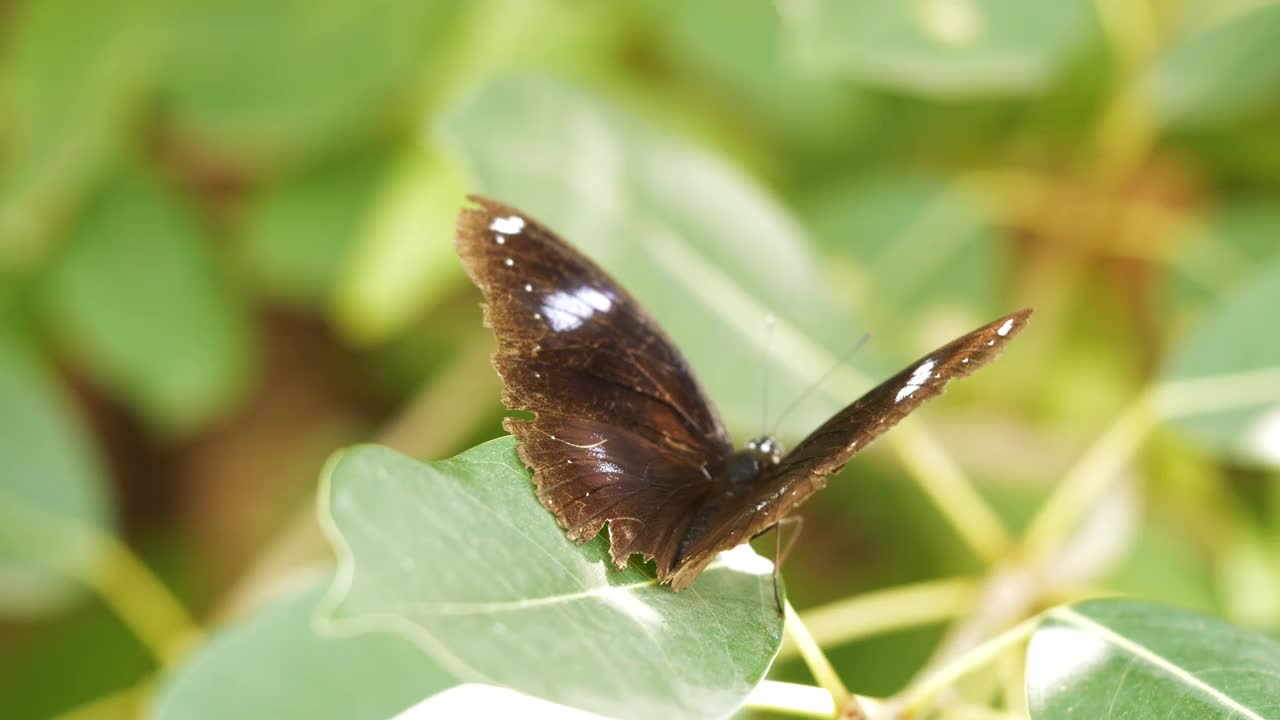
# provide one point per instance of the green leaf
(272, 82)
(273, 665)
(738, 48)
(300, 231)
(74, 74)
(403, 260)
(1136, 660)
(912, 246)
(1219, 71)
(1232, 239)
(1234, 360)
(942, 47)
(137, 294)
(53, 507)
(705, 250)
(460, 556)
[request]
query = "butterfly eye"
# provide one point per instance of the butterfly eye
(767, 448)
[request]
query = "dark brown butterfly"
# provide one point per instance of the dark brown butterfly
(622, 433)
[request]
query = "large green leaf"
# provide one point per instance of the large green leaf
(1137, 660)
(300, 231)
(74, 73)
(460, 556)
(276, 80)
(911, 245)
(707, 252)
(942, 47)
(53, 508)
(137, 294)
(1226, 371)
(1221, 70)
(273, 665)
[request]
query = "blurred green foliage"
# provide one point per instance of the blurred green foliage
(225, 251)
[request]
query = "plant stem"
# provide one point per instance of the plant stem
(1216, 393)
(143, 602)
(917, 696)
(124, 582)
(951, 491)
(886, 610)
(792, 698)
(1127, 131)
(1088, 479)
(813, 656)
(128, 702)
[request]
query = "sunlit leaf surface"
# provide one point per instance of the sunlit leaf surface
(1114, 659)
(273, 666)
(459, 556)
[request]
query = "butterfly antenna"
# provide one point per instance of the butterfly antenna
(844, 357)
(769, 322)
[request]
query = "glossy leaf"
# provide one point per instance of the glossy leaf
(1233, 345)
(1222, 69)
(460, 556)
(1138, 660)
(74, 74)
(702, 248)
(138, 297)
(941, 47)
(53, 504)
(274, 666)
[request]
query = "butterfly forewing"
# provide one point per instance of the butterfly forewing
(826, 450)
(622, 433)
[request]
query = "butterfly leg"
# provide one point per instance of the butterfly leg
(780, 552)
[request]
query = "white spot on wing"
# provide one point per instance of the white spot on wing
(507, 225)
(1005, 328)
(569, 310)
(918, 377)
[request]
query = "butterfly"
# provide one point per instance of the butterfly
(621, 433)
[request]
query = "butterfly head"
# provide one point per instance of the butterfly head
(767, 449)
